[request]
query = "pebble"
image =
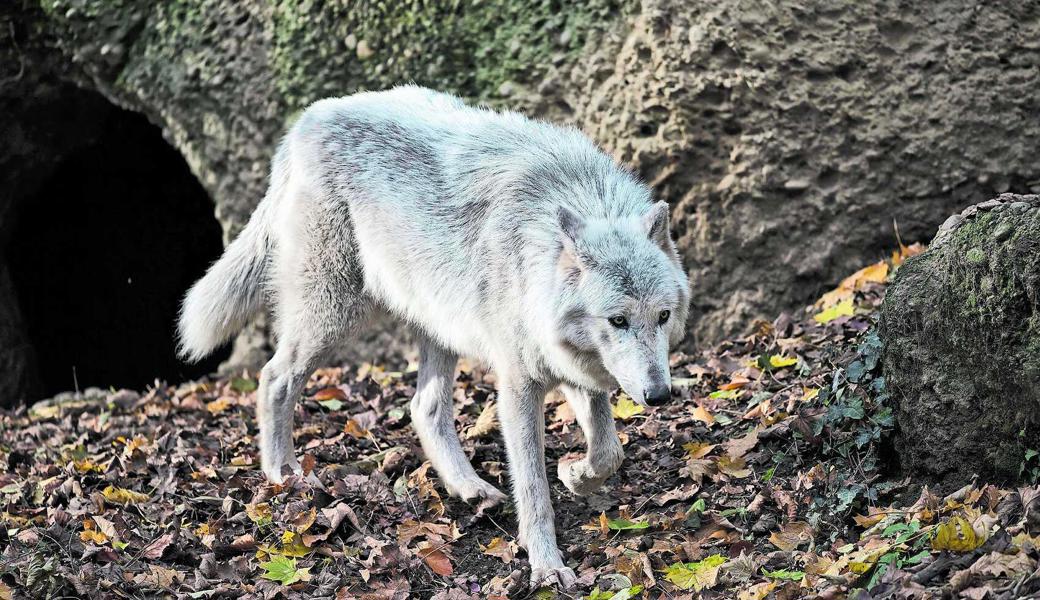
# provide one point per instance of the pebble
(1020, 206)
(796, 185)
(364, 50)
(953, 222)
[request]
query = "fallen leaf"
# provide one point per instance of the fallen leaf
(956, 535)
(626, 525)
(875, 273)
(156, 547)
(698, 449)
(500, 548)
(123, 496)
(219, 405)
(734, 467)
(697, 575)
(845, 308)
(792, 535)
(437, 560)
(738, 447)
(283, 570)
(701, 414)
(625, 408)
(778, 361)
(485, 424)
(330, 393)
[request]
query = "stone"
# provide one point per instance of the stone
(814, 93)
(961, 330)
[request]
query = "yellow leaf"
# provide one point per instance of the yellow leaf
(758, 591)
(601, 524)
(778, 361)
(875, 273)
(699, 575)
(809, 394)
(698, 449)
(701, 414)
(956, 535)
(845, 308)
(123, 496)
(218, 406)
(90, 534)
(625, 408)
(868, 521)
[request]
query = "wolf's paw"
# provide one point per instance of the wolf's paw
(477, 491)
(275, 475)
(579, 477)
(562, 577)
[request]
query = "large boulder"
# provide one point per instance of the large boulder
(961, 328)
(786, 137)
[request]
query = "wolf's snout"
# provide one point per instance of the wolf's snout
(658, 394)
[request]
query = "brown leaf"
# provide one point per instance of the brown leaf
(437, 561)
(738, 447)
(329, 393)
(486, 423)
(792, 535)
(156, 547)
(500, 548)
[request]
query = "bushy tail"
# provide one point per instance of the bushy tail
(218, 305)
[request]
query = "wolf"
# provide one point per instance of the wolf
(511, 241)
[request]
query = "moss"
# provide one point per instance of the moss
(962, 325)
(470, 47)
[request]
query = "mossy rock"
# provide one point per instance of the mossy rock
(961, 326)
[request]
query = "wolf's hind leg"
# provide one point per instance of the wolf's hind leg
(315, 320)
(434, 421)
(592, 410)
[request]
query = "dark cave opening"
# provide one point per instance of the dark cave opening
(100, 254)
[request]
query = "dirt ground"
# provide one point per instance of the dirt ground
(769, 475)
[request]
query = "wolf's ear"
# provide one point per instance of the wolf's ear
(655, 223)
(570, 224)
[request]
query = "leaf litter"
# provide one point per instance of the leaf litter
(764, 478)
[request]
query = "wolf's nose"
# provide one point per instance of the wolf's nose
(658, 395)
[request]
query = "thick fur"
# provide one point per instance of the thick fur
(496, 237)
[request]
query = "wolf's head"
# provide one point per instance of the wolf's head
(624, 299)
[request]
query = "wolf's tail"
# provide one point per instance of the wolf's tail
(232, 290)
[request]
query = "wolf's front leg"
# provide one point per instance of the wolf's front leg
(592, 410)
(521, 408)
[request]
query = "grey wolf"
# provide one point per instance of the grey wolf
(515, 242)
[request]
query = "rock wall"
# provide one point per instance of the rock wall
(961, 327)
(787, 138)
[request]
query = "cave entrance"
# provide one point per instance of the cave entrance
(101, 251)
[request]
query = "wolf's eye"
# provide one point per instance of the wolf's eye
(618, 321)
(663, 317)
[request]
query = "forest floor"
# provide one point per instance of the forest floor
(770, 475)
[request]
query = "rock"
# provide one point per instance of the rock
(961, 328)
(868, 124)
(364, 50)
